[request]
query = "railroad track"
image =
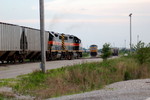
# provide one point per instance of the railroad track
(18, 63)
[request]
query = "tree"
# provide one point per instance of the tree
(142, 52)
(106, 51)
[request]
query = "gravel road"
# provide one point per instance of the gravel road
(126, 90)
(11, 71)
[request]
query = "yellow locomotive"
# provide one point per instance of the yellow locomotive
(93, 50)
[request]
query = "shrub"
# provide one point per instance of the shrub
(142, 52)
(106, 51)
(127, 75)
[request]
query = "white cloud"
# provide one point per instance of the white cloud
(107, 20)
(94, 7)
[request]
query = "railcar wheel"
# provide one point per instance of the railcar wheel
(69, 57)
(2, 61)
(14, 59)
(21, 60)
(8, 61)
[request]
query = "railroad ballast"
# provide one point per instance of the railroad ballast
(18, 43)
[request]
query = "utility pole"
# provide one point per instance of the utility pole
(130, 15)
(125, 44)
(137, 39)
(42, 35)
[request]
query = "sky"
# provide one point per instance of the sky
(93, 21)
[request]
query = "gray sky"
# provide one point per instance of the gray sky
(94, 21)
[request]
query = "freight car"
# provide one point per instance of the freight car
(10, 36)
(18, 43)
(30, 42)
(115, 51)
(93, 50)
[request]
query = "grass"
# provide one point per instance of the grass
(78, 78)
(86, 54)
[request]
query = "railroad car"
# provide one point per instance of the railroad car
(18, 43)
(10, 42)
(93, 50)
(115, 51)
(31, 44)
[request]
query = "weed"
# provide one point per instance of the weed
(78, 78)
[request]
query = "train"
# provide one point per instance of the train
(115, 51)
(18, 43)
(93, 50)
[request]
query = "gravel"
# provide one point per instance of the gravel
(125, 90)
(7, 91)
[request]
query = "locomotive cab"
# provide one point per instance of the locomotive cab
(76, 43)
(93, 50)
(77, 47)
(51, 36)
(50, 40)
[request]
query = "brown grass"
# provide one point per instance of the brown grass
(81, 78)
(7, 94)
(56, 87)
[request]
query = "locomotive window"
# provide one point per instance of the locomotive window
(52, 32)
(60, 37)
(50, 37)
(56, 35)
(70, 37)
(66, 38)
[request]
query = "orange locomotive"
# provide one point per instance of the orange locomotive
(62, 46)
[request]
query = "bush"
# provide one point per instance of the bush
(106, 51)
(142, 52)
(127, 75)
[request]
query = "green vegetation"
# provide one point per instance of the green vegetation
(86, 54)
(106, 51)
(78, 78)
(8, 82)
(142, 54)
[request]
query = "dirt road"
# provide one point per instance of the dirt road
(11, 71)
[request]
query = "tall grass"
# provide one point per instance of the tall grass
(80, 78)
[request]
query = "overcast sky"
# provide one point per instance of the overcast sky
(94, 21)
